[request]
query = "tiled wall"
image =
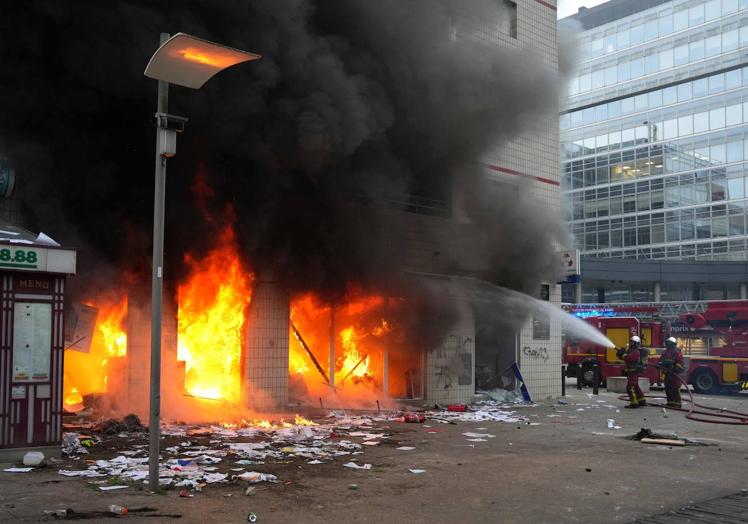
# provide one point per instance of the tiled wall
(450, 366)
(266, 357)
(540, 360)
(533, 157)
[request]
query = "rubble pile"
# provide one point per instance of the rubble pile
(210, 454)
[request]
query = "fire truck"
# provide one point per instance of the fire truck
(713, 337)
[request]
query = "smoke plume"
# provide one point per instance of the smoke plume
(354, 104)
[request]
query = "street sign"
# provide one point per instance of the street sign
(571, 262)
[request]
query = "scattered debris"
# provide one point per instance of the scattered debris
(612, 424)
(33, 458)
(353, 486)
(663, 441)
(417, 471)
(17, 470)
(479, 435)
(255, 477)
(71, 444)
(353, 465)
(646, 433)
(483, 411)
(251, 517)
(129, 424)
(405, 448)
(116, 509)
(113, 488)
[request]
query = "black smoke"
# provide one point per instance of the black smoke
(354, 103)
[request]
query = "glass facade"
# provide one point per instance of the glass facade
(654, 135)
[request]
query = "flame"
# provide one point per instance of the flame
(74, 397)
(211, 319)
(301, 421)
(266, 424)
(359, 343)
(351, 364)
(87, 373)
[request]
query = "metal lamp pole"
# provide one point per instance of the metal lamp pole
(157, 284)
(187, 61)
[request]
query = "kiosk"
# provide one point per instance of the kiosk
(33, 269)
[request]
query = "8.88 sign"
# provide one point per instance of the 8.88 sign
(20, 257)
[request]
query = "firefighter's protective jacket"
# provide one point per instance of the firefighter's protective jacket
(631, 360)
(671, 360)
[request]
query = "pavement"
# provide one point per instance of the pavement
(564, 465)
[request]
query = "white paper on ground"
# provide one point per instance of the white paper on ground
(405, 448)
(479, 435)
(112, 488)
(416, 471)
(82, 473)
(18, 470)
(353, 465)
(255, 476)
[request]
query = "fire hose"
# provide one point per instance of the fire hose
(705, 414)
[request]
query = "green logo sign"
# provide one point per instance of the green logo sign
(26, 259)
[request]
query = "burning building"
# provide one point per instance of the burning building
(346, 222)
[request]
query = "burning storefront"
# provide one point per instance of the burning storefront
(333, 202)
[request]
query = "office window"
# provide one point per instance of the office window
(730, 40)
(680, 18)
(713, 9)
(508, 20)
(700, 87)
(696, 15)
(666, 59)
(666, 23)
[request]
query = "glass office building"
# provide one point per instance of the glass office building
(654, 131)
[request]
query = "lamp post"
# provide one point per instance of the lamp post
(189, 62)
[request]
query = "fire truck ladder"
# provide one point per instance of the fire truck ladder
(665, 310)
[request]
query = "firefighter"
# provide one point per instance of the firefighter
(671, 366)
(633, 362)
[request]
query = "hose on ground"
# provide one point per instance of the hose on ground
(707, 414)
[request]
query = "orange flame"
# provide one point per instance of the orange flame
(87, 373)
(351, 363)
(359, 341)
(211, 319)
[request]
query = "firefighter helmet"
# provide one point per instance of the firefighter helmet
(671, 342)
(636, 340)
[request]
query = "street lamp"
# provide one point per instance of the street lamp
(190, 62)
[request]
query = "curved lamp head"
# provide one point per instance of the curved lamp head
(190, 61)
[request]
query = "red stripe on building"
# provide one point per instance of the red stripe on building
(525, 175)
(550, 6)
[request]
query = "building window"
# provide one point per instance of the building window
(508, 20)
(541, 322)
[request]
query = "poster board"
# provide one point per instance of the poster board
(32, 341)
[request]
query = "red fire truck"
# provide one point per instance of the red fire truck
(714, 339)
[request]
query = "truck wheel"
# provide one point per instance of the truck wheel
(704, 381)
